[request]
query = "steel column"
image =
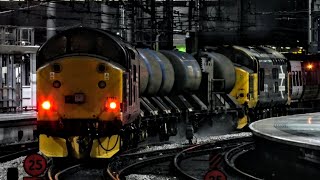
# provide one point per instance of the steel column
(51, 19)
(1, 81)
(105, 23)
(33, 79)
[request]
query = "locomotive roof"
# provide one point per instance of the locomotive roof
(84, 41)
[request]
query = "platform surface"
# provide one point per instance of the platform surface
(18, 116)
(299, 130)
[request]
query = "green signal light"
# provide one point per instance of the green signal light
(181, 48)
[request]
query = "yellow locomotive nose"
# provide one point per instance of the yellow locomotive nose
(83, 89)
(75, 102)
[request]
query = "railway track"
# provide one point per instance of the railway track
(14, 151)
(93, 169)
(147, 160)
(168, 163)
(192, 163)
(156, 161)
(232, 155)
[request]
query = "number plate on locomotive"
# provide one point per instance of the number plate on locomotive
(79, 98)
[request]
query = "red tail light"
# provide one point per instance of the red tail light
(46, 105)
(113, 105)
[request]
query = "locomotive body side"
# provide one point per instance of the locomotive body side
(262, 79)
(273, 76)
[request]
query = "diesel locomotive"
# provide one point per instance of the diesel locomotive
(83, 88)
(273, 85)
(97, 94)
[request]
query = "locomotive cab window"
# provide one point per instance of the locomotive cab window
(134, 73)
(275, 73)
(276, 87)
(86, 41)
(245, 61)
(261, 76)
(130, 89)
(131, 53)
(57, 47)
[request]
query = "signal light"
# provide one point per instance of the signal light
(46, 105)
(309, 66)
